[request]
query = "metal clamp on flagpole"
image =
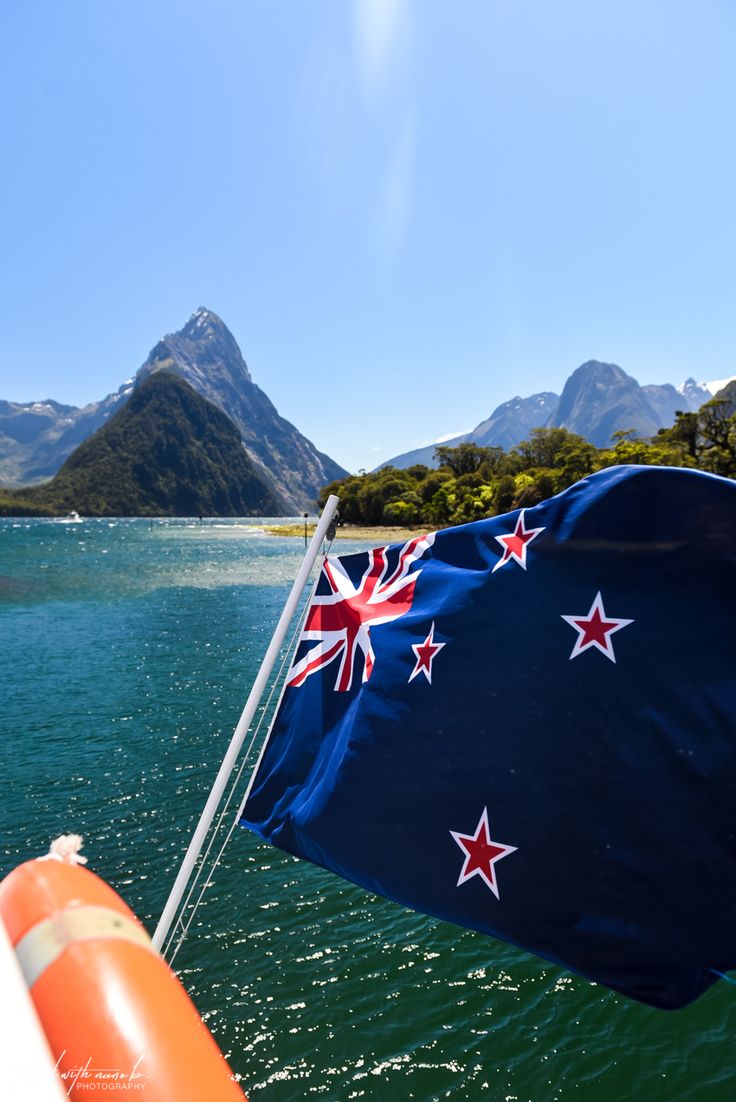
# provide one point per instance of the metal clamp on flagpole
(236, 742)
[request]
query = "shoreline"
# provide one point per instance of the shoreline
(377, 533)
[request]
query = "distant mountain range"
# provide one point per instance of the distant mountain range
(282, 472)
(597, 400)
(37, 437)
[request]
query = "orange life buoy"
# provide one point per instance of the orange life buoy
(116, 1017)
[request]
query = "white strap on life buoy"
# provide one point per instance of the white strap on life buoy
(46, 941)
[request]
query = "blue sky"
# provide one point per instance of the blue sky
(406, 212)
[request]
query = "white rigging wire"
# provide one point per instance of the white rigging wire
(182, 926)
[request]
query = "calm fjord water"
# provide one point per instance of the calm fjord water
(127, 650)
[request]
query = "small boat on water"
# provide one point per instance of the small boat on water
(72, 518)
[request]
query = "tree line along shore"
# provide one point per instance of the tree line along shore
(472, 482)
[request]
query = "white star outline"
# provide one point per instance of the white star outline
(508, 553)
(420, 667)
(490, 882)
(606, 648)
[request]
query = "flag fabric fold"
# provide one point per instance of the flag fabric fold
(527, 726)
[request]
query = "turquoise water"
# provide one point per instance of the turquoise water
(127, 651)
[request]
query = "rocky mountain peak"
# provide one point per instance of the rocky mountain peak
(600, 398)
(205, 352)
(205, 325)
(694, 393)
(206, 355)
(596, 373)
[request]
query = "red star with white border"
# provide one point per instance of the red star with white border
(426, 653)
(481, 854)
(595, 629)
(515, 544)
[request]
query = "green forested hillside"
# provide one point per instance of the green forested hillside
(167, 452)
(474, 481)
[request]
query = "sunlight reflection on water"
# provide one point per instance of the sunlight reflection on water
(127, 651)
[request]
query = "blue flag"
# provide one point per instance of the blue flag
(527, 726)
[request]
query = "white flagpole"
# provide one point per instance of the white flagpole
(244, 723)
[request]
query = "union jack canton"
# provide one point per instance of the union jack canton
(342, 612)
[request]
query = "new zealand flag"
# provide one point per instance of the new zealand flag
(527, 726)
